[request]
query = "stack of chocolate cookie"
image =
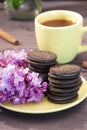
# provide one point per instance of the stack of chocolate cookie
(40, 61)
(64, 83)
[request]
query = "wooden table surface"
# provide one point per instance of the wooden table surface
(71, 119)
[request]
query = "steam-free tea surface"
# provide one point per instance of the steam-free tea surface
(58, 23)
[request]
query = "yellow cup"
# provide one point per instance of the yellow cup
(65, 41)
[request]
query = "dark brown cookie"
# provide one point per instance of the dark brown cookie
(41, 65)
(64, 90)
(64, 71)
(65, 84)
(40, 61)
(40, 70)
(42, 56)
(60, 99)
(61, 94)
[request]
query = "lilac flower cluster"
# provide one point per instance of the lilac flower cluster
(17, 84)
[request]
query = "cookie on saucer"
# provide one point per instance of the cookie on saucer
(64, 83)
(40, 61)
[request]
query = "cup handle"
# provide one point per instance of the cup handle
(83, 48)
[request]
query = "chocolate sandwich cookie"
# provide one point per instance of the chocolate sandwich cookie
(39, 70)
(64, 83)
(67, 84)
(64, 71)
(40, 61)
(60, 99)
(61, 94)
(41, 65)
(63, 90)
(42, 56)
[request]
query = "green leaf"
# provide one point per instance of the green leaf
(15, 3)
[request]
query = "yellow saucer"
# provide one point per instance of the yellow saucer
(45, 106)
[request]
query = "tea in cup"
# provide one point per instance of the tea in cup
(60, 31)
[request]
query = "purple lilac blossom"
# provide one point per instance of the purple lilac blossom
(17, 84)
